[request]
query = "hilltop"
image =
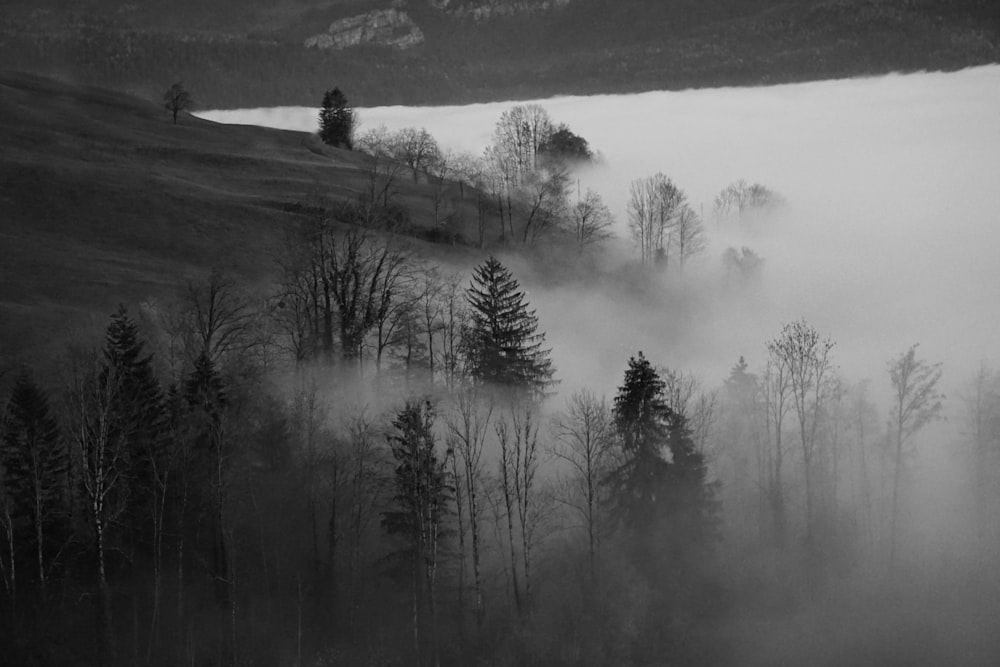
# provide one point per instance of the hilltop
(106, 201)
(247, 53)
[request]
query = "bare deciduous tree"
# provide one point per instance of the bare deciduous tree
(805, 357)
(176, 99)
(584, 439)
(591, 221)
(740, 199)
(653, 206)
(915, 403)
(467, 428)
(221, 318)
(982, 420)
(689, 235)
(101, 450)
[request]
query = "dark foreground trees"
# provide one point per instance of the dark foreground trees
(661, 495)
(420, 507)
(35, 464)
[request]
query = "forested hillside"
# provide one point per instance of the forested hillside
(266, 401)
(247, 54)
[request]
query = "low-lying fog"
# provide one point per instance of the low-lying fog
(890, 236)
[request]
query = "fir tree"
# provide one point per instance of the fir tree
(36, 464)
(502, 343)
(138, 416)
(420, 503)
(336, 120)
(641, 418)
(665, 503)
(663, 477)
(204, 393)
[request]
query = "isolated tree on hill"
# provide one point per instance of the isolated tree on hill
(420, 504)
(502, 343)
(176, 99)
(416, 148)
(337, 120)
(915, 403)
(36, 462)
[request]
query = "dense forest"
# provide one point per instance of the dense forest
(371, 457)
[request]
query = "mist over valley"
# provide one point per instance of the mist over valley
(695, 377)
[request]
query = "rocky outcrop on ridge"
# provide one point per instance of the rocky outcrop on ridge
(384, 27)
(483, 10)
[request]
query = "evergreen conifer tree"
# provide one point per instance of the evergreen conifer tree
(641, 418)
(420, 504)
(650, 487)
(36, 463)
(502, 343)
(336, 120)
(139, 417)
(204, 392)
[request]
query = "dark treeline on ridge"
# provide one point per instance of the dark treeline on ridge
(371, 458)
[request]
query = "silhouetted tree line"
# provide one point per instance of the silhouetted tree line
(366, 467)
(180, 506)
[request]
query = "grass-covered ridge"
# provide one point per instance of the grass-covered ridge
(105, 200)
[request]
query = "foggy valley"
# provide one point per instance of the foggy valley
(380, 408)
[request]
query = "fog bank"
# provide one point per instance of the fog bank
(889, 237)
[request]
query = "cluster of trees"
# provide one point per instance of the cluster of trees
(193, 511)
(522, 184)
(368, 465)
(811, 437)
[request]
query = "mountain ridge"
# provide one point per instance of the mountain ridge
(239, 54)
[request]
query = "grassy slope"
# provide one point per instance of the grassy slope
(104, 200)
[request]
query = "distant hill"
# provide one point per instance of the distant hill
(236, 53)
(104, 201)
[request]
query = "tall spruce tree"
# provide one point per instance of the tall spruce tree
(205, 395)
(336, 120)
(666, 506)
(663, 475)
(421, 499)
(642, 418)
(36, 463)
(502, 343)
(140, 417)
